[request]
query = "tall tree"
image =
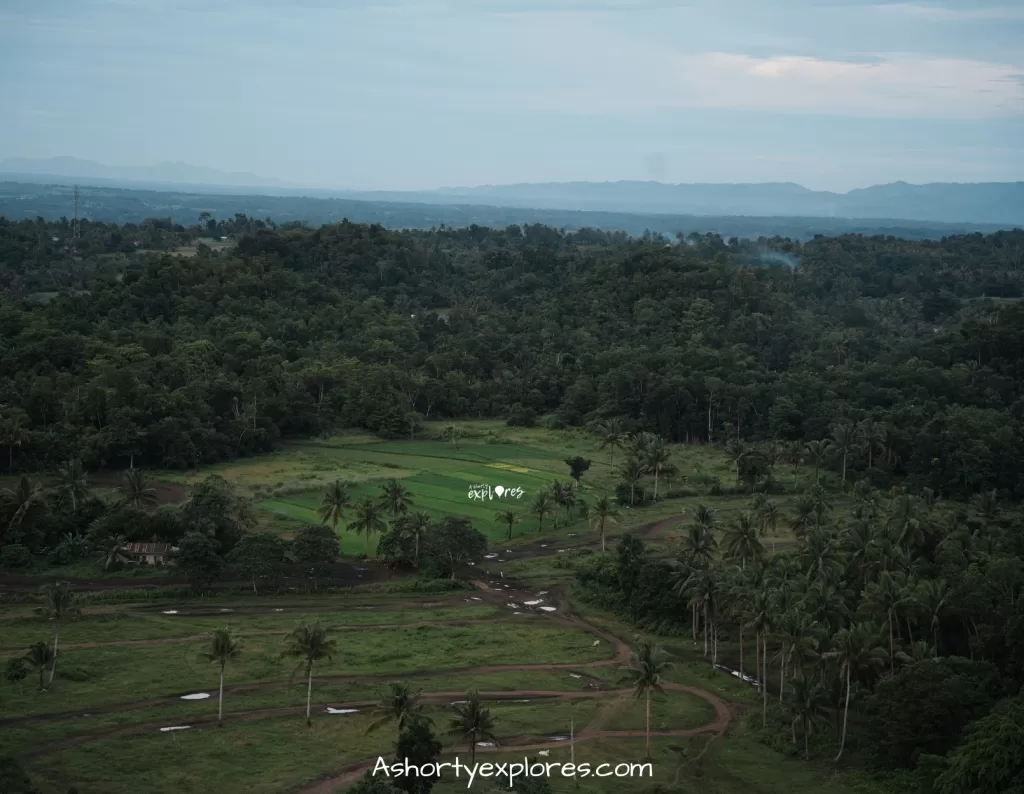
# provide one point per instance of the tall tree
(222, 647)
(367, 521)
(603, 512)
(400, 706)
(333, 504)
(855, 651)
(395, 498)
(472, 723)
(508, 517)
(59, 603)
(541, 507)
(309, 643)
(647, 663)
(136, 490)
(71, 483)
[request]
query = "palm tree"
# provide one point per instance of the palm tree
(333, 504)
(39, 657)
(807, 705)
(741, 542)
(872, 439)
(855, 651)
(564, 494)
(401, 706)
(509, 517)
(770, 520)
(612, 436)
(844, 441)
(223, 647)
(735, 450)
(395, 498)
(58, 603)
(817, 452)
(646, 666)
(136, 490)
(932, 598)
(26, 501)
(919, 651)
(418, 525)
(309, 644)
(761, 622)
(657, 459)
(71, 483)
(632, 471)
(541, 507)
(888, 595)
(699, 546)
(473, 723)
(367, 521)
(111, 553)
(602, 512)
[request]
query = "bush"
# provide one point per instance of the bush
(15, 556)
(623, 490)
(521, 416)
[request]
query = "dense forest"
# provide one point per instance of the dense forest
(123, 354)
(897, 364)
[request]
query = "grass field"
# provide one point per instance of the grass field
(126, 671)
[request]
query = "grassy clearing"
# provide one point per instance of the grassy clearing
(670, 711)
(133, 625)
(124, 674)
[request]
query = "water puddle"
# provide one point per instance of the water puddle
(196, 696)
(170, 612)
(341, 711)
(548, 609)
(175, 728)
(533, 603)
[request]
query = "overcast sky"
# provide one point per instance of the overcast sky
(408, 94)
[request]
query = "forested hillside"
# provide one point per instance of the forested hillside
(120, 354)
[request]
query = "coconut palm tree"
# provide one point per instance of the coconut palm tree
(657, 459)
(735, 450)
(699, 546)
(71, 483)
(26, 502)
(395, 498)
(400, 706)
(58, 603)
(564, 495)
(333, 504)
(632, 471)
(855, 651)
(223, 647)
(932, 598)
(417, 525)
(741, 541)
(39, 657)
(111, 553)
(136, 491)
(541, 507)
(646, 666)
(612, 436)
(844, 441)
(473, 723)
(509, 517)
(817, 452)
(808, 706)
(367, 521)
(603, 512)
(872, 439)
(309, 644)
(888, 596)
(760, 620)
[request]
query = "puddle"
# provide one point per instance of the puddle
(735, 673)
(559, 738)
(227, 610)
(575, 675)
(196, 696)
(548, 609)
(571, 535)
(542, 592)
(279, 610)
(533, 603)
(500, 559)
(512, 606)
(490, 556)
(170, 612)
(474, 598)
(485, 744)
(544, 752)
(175, 728)
(341, 711)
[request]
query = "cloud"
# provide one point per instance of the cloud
(934, 13)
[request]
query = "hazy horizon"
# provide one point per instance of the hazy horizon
(401, 95)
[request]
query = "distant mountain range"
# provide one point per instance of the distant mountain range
(990, 203)
(90, 172)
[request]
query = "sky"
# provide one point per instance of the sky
(418, 94)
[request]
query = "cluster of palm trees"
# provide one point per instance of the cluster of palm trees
(368, 515)
(871, 440)
(59, 604)
(646, 455)
(852, 601)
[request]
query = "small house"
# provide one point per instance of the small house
(147, 553)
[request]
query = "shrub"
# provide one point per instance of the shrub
(15, 556)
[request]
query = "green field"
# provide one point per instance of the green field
(125, 669)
